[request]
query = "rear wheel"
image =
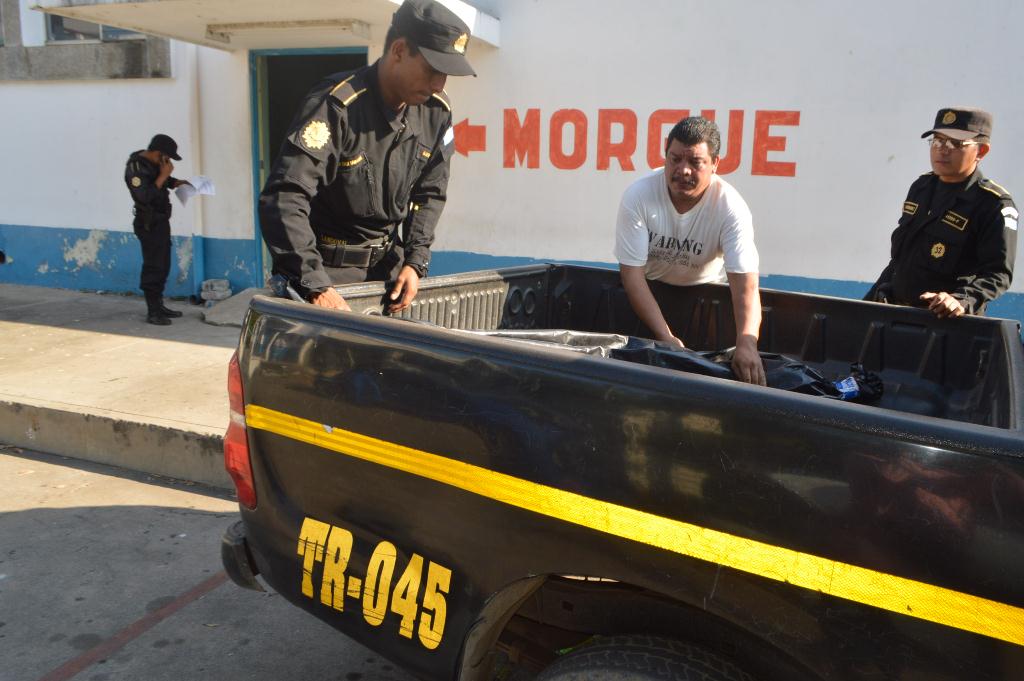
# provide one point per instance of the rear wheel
(642, 658)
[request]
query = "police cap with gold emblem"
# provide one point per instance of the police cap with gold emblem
(440, 35)
(962, 123)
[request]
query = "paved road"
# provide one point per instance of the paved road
(109, 575)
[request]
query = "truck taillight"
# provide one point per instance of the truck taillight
(236, 442)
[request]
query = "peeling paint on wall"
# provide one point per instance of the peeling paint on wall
(86, 251)
(86, 259)
(184, 255)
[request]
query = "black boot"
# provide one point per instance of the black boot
(154, 311)
(158, 318)
(168, 312)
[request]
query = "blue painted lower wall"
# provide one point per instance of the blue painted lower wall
(105, 260)
(102, 260)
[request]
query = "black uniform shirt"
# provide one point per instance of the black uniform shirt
(352, 170)
(960, 239)
(140, 174)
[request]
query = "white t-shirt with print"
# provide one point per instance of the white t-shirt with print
(690, 248)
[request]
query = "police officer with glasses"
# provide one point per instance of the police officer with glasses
(953, 250)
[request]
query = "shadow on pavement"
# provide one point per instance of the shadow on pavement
(107, 575)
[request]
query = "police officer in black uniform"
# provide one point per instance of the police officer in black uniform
(954, 248)
(148, 176)
(361, 179)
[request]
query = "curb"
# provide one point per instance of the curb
(111, 438)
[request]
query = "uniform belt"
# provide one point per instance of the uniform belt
(143, 208)
(347, 255)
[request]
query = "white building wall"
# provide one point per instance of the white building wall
(223, 141)
(71, 141)
(866, 78)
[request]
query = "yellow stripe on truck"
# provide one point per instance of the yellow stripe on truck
(878, 589)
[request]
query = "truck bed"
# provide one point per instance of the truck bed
(960, 370)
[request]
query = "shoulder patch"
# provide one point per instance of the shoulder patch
(990, 186)
(316, 135)
(442, 97)
(345, 91)
(1009, 217)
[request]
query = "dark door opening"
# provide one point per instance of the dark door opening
(281, 81)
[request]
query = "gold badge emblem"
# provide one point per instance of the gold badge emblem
(938, 250)
(909, 207)
(316, 135)
(136, 182)
(949, 118)
(460, 43)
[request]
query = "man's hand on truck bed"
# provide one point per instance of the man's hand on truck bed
(943, 305)
(406, 287)
(746, 362)
(330, 298)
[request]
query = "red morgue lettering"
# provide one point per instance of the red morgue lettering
(568, 131)
(765, 142)
(623, 150)
(731, 156)
(656, 134)
(578, 156)
(522, 140)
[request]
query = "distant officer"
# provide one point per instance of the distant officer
(148, 176)
(361, 178)
(954, 248)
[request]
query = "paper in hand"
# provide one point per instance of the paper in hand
(200, 184)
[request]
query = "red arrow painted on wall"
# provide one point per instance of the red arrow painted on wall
(470, 138)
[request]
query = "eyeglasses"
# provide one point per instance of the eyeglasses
(951, 144)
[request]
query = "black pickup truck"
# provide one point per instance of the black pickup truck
(493, 486)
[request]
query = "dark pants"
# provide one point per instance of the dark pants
(156, 255)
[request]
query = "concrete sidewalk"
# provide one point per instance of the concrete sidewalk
(84, 375)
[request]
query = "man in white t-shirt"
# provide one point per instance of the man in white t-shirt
(681, 225)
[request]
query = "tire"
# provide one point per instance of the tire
(642, 658)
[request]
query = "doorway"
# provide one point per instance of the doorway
(280, 79)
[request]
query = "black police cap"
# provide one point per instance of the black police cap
(962, 123)
(164, 144)
(440, 35)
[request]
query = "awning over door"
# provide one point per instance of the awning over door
(260, 24)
